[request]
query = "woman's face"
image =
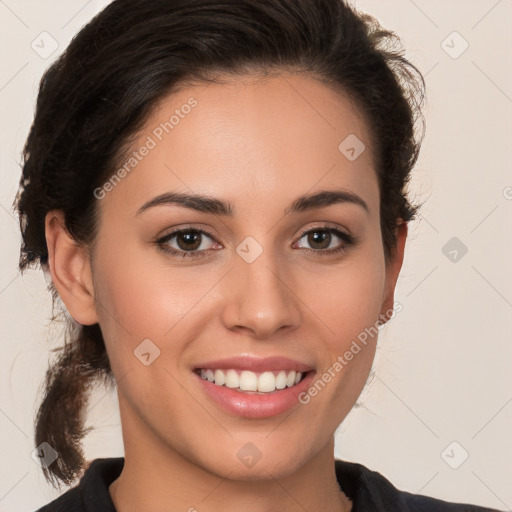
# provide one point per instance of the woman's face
(263, 290)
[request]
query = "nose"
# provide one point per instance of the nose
(259, 299)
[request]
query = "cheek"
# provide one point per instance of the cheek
(137, 300)
(348, 298)
(350, 307)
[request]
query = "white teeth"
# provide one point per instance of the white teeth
(220, 378)
(248, 381)
(265, 382)
(281, 380)
(232, 379)
(290, 379)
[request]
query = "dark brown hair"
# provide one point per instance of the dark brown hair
(100, 91)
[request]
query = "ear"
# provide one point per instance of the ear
(393, 267)
(70, 269)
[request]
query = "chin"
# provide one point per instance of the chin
(245, 461)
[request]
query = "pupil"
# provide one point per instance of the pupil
(192, 237)
(189, 236)
(314, 238)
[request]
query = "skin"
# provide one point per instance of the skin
(259, 144)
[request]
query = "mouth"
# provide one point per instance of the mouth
(247, 381)
(254, 387)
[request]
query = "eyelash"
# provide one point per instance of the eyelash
(348, 240)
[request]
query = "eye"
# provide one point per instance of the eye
(193, 242)
(321, 239)
(187, 242)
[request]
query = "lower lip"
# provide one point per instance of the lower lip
(253, 405)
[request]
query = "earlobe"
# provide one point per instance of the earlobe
(392, 271)
(70, 269)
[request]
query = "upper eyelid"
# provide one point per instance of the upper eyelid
(326, 227)
(185, 229)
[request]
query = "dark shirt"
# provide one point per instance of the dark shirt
(368, 490)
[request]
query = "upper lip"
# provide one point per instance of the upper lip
(256, 364)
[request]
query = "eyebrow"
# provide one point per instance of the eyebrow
(208, 204)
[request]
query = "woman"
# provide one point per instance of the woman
(218, 191)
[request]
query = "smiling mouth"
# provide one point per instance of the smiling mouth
(252, 382)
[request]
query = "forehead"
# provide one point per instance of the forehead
(246, 138)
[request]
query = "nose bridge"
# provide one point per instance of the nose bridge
(260, 298)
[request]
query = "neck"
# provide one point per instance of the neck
(156, 477)
(140, 487)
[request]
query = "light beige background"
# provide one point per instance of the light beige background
(442, 373)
